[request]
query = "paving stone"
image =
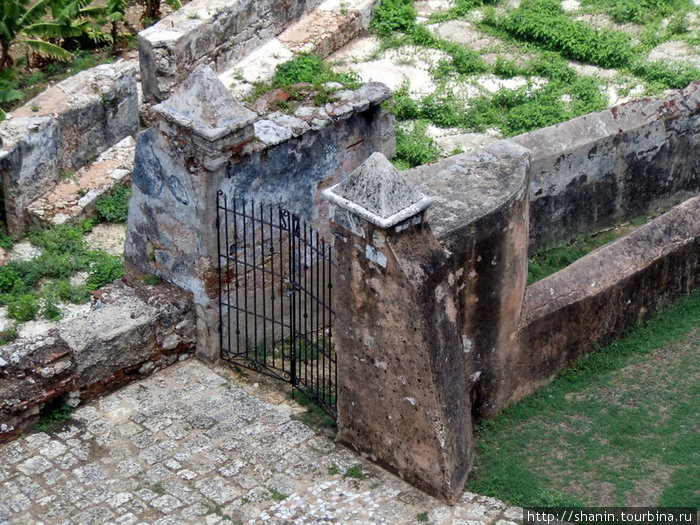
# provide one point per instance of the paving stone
(35, 466)
(89, 474)
(166, 503)
(223, 463)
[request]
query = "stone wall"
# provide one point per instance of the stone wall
(193, 153)
(61, 130)
(210, 32)
(129, 333)
(605, 168)
(596, 298)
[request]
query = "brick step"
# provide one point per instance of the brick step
(322, 31)
(74, 197)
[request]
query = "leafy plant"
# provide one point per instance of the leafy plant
(23, 307)
(391, 16)
(8, 335)
(355, 472)
(55, 415)
(277, 495)
(114, 206)
(415, 147)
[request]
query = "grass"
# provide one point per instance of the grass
(618, 428)
(354, 472)
(30, 288)
(54, 416)
(546, 262)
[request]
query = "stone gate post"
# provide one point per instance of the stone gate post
(179, 165)
(402, 385)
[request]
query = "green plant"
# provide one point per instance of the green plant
(277, 495)
(150, 279)
(423, 517)
(158, 488)
(113, 206)
(333, 470)
(22, 307)
(355, 472)
(104, 269)
(545, 23)
(391, 16)
(53, 416)
(414, 147)
(8, 335)
(50, 310)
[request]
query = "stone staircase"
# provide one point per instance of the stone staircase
(321, 31)
(74, 197)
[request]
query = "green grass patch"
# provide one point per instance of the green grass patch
(617, 428)
(313, 417)
(546, 262)
(414, 147)
(32, 288)
(113, 206)
(354, 472)
(637, 11)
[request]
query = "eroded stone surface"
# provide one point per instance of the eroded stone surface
(254, 468)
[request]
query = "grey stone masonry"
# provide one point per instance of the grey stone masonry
(377, 192)
(191, 445)
(403, 395)
(60, 130)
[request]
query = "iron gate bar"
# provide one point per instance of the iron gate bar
(289, 340)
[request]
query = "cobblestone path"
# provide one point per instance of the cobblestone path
(192, 445)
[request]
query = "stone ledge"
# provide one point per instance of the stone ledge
(596, 298)
(128, 334)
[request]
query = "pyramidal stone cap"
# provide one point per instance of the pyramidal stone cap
(203, 104)
(378, 193)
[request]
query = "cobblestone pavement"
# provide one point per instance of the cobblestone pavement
(194, 445)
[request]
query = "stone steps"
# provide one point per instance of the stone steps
(321, 31)
(74, 197)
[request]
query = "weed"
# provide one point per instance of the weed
(314, 416)
(55, 415)
(333, 470)
(113, 206)
(67, 175)
(157, 488)
(150, 279)
(35, 108)
(23, 307)
(414, 147)
(545, 23)
(354, 472)
(6, 242)
(391, 16)
(50, 310)
(8, 335)
(104, 269)
(423, 517)
(277, 495)
(218, 511)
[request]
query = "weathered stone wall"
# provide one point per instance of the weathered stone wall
(205, 142)
(129, 333)
(604, 168)
(596, 298)
(210, 32)
(480, 220)
(61, 130)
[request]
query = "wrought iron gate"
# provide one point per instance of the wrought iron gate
(275, 276)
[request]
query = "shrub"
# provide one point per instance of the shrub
(415, 147)
(391, 16)
(113, 207)
(104, 269)
(22, 307)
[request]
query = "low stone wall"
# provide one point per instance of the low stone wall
(192, 154)
(605, 168)
(596, 298)
(128, 334)
(61, 130)
(210, 32)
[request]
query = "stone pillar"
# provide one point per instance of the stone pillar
(178, 168)
(403, 390)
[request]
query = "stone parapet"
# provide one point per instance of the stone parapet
(605, 168)
(63, 129)
(128, 334)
